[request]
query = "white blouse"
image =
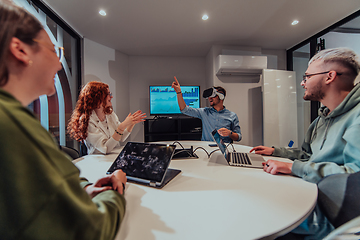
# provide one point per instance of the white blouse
(99, 139)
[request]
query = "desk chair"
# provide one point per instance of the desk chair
(73, 153)
(339, 196)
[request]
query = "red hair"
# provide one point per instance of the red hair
(92, 95)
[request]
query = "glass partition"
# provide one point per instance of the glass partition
(345, 33)
(301, 58)
(55, 111)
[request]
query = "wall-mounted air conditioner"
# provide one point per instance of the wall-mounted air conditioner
(240, 65)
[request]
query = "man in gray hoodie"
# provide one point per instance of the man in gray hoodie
(331, 144)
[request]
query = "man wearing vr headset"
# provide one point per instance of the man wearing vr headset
(214, 117)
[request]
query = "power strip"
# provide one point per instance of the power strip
(184, 153)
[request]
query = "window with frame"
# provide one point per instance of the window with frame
(54, 111)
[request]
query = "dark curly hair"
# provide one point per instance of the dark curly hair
(221, 90)
(92, 95)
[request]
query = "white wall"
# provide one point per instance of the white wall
(129, 78)
(240, 96)
(111, 67)
(146, 71)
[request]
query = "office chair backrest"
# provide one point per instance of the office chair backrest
(339, 196)
(73, 153)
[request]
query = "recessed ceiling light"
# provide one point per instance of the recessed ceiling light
(102, 13)
(205, 17)
(295, 22)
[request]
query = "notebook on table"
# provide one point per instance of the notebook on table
(146, 163)
(238, 159)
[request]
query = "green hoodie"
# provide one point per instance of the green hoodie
(41, 194)
(331, 144)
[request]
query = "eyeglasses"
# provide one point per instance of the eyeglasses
(307, 76)
(59, 51)
(110, 94)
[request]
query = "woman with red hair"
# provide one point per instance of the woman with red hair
(95, 123)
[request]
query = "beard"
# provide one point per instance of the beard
(316, 95)
(214, 102)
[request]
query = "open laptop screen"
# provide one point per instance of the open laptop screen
(219, 142)
(144, 160)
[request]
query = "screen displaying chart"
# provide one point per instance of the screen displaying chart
(163, 99)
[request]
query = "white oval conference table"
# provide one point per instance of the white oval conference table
(210, 200)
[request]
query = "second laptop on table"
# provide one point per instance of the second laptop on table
(238, 159)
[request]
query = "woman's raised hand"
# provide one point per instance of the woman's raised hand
(134, 118)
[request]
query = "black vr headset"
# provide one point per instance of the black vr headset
(212, 92)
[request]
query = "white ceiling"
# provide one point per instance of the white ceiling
(175, 27)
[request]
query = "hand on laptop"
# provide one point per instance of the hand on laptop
(224, 132)
(99, 186)
(116, 181)
(263, 150)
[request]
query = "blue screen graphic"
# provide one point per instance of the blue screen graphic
(163, 99)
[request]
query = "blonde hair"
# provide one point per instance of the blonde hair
(342, 56)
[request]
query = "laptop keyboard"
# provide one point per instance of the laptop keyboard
(240, 158)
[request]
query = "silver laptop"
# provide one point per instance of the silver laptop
(146, 163)
(238, 159)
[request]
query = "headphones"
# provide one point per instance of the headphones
(212, 92)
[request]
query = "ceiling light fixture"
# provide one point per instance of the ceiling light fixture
(102, 13)
(205, 17)
(295, 22)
